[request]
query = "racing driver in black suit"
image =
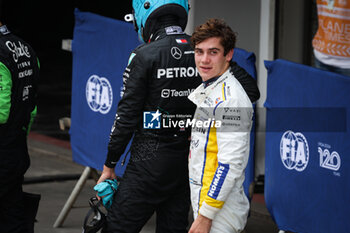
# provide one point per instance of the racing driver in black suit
(160, 75)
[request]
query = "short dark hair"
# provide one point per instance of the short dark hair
(215, 28)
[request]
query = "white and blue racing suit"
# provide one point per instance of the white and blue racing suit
(219, 153)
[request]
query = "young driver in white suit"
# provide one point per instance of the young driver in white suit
(220, 134)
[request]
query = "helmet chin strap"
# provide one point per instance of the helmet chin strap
(132, 18)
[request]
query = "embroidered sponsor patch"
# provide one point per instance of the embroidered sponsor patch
(181, 41)
(218, 180)
(4, 30)
(173, 30)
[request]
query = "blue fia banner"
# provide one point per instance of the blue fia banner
(307, 166)
(101, 47)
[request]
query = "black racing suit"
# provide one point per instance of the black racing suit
(160, 76)
(19, 73)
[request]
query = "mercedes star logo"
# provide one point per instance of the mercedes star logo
(176, 52)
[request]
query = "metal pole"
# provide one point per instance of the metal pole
(266, 52)
(73, 196)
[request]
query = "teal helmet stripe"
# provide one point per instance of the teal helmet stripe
(141, 14)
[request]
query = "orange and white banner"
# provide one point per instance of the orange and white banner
(333, 34)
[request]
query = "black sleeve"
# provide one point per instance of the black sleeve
(247, 81)
(130, 107)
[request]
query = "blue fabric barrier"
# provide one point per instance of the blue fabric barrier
(101, 47)
(307, 166)
(247, 61)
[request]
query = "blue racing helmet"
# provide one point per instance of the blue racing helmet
(146, 12)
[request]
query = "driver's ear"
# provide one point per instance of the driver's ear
(229, 55)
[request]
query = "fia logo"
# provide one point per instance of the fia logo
(151, 120)
(99, 95)
(294, 151)
(328, 160)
